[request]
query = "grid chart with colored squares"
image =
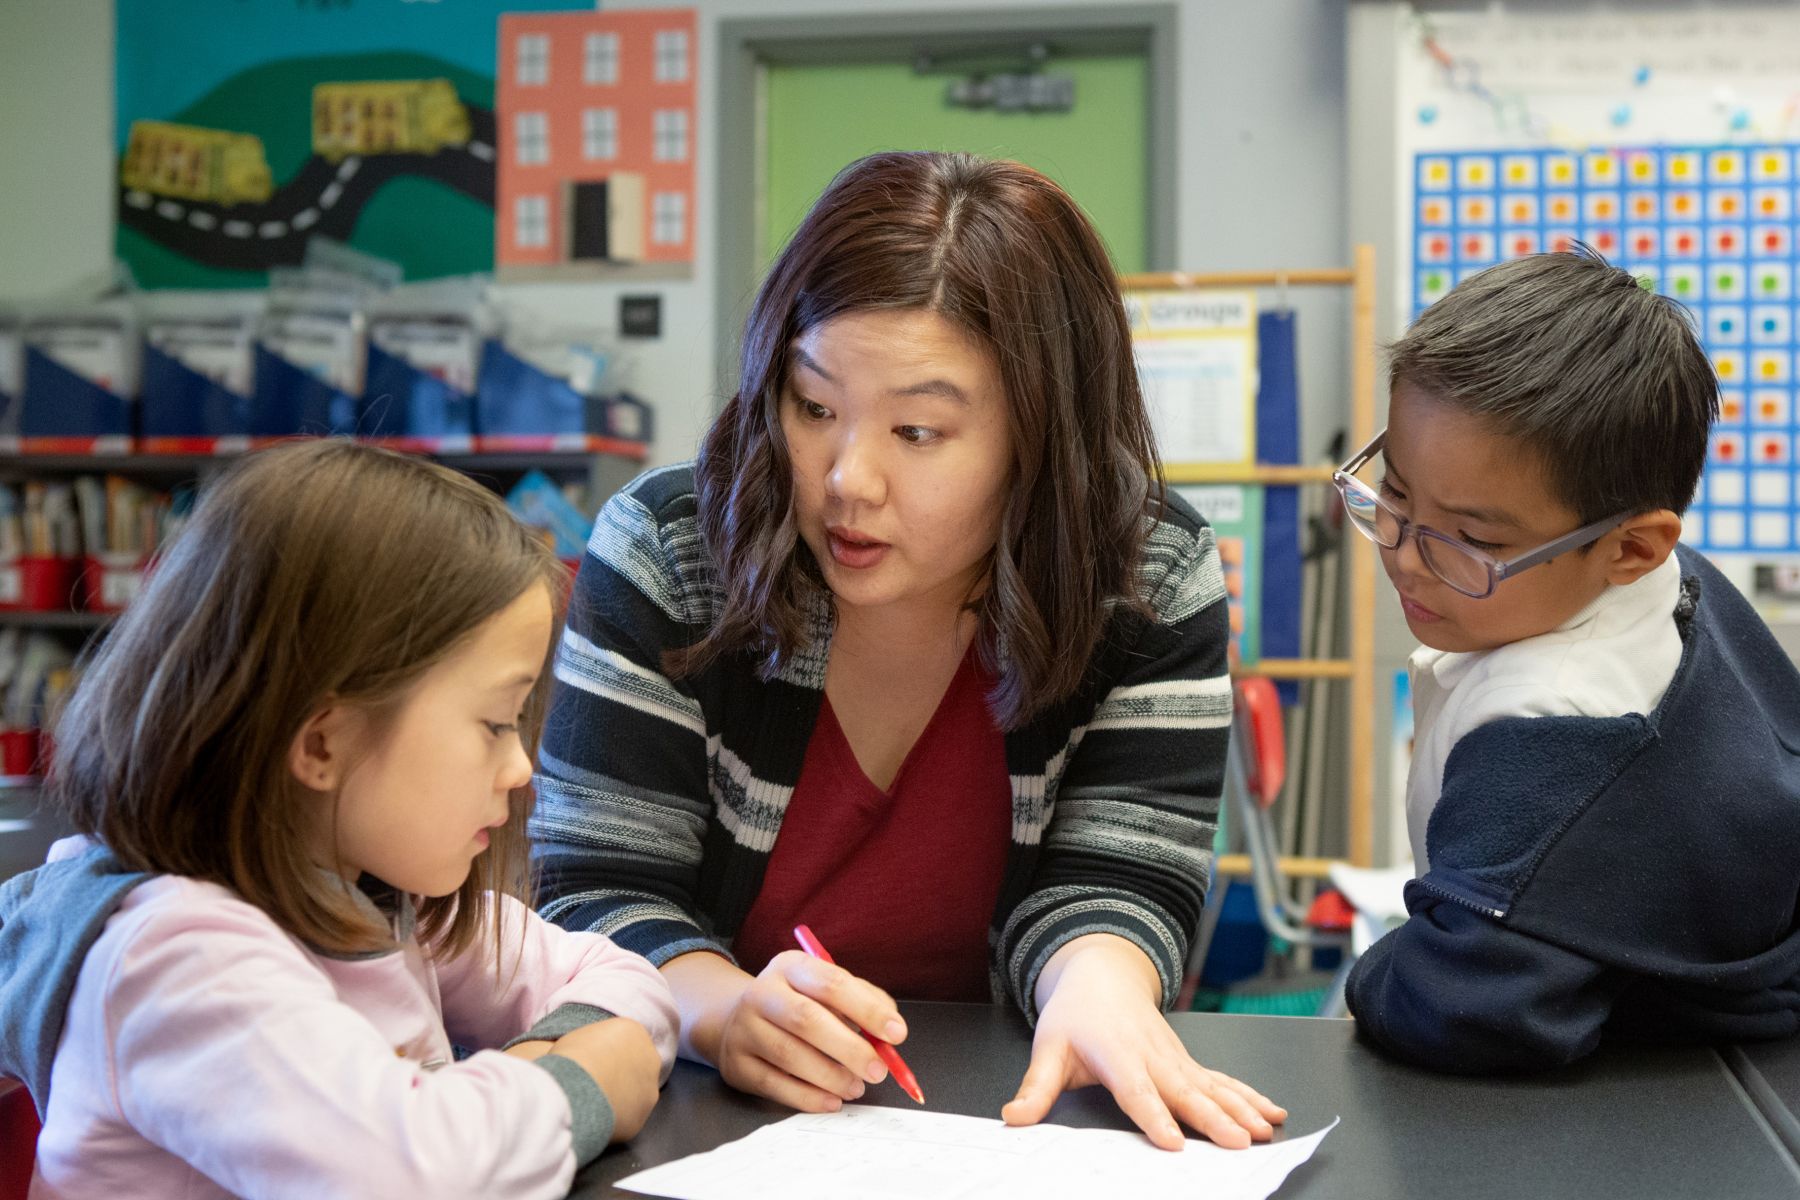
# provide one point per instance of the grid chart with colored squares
(1712, 226)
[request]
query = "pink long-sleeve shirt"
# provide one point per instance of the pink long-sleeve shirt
(207, 1053)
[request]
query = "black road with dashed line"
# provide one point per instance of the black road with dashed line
(325, 197)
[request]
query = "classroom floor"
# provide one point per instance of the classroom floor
(1279, 991)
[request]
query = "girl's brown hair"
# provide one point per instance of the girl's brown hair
(316, 573)
(1004, 253)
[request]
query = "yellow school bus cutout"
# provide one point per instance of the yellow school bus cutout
(192, 163)
(415, 116)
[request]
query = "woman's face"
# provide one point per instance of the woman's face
(896, 426)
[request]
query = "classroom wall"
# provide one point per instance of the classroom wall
(1260, 131)
(56, 66)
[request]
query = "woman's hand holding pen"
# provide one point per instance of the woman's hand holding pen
(1099, 1022)
(783, 1033)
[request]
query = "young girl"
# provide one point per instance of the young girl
(300, 766)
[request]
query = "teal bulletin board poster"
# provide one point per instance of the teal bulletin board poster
(247, 127)
(1235, 512)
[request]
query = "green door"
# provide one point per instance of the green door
(819, 118)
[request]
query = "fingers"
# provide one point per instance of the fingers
(787, 1036)
(793, 1055)
(1218, 1106)
(1140, 1099)
(1270, 1110)
(857, 1000)
(1044, 1081)
(760, 1077)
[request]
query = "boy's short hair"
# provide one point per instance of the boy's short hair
(1601, 377)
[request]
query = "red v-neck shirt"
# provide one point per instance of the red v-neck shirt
(900, 884)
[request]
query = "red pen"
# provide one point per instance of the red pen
(896, 1067)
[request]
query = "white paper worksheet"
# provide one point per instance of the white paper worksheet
(893, 1154)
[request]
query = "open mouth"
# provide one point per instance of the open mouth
(855, 550)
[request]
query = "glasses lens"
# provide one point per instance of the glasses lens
(1456, 565)
(1368, 513)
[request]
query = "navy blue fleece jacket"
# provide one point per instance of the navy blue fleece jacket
(1634, 877)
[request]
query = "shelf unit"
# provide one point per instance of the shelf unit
(1357, 670)
(606, 463)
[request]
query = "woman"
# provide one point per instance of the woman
(917, 653)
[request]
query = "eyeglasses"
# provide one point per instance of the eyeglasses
(1474, 573)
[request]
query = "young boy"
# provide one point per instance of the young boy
(1604, 801)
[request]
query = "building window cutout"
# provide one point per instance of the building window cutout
(600, 62)
(531, 135)
(531, 221)
(533, 65)
(672, 56)
(600, 134)
(668, 219)
(671, 126)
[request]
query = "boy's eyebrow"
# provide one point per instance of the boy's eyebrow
(1485, 516)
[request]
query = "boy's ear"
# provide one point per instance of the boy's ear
(1641, 544)
(319, 753)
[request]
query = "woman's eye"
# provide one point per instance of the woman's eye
(1489, 547)
(1389, 490)
(917, 435)
(810, 410)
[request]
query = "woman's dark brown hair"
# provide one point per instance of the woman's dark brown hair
(1004, 253)
(315, 573)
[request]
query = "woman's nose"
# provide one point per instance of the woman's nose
(856, 475)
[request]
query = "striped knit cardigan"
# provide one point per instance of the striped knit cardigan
(659, 800)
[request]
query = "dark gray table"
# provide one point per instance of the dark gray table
(1638, 1123)
(1770, 1073)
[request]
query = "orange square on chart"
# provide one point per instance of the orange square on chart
(1768, 410)
(1684, 204)
(1562, 208)
(1435, 212)
(1643, 206)
(1730, 409)
(1522, 210)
